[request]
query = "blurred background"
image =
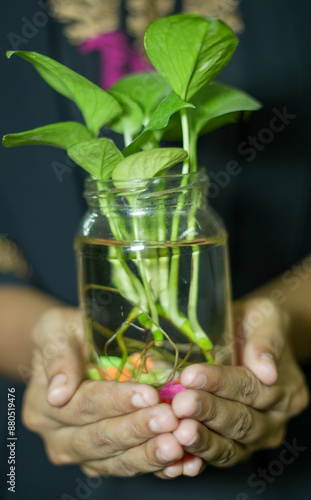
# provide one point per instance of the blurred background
(266, 208)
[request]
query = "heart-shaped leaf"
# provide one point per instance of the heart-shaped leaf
(131, 121)
(189, 51)
(96, 105)
(98, 157)
(168, 107)
(147, 89)
(137, 144)
(217, 104)
(59, 135)
(148, 164)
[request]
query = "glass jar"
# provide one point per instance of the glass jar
(153, 277)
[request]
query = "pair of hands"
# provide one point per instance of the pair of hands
(121, 428)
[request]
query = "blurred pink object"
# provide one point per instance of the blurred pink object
(168, 391)
(117, 57)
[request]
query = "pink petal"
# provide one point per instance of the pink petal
(168, 391)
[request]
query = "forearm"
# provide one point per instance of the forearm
(292, 291)
(20, 309)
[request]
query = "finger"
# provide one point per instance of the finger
(264, 325)
(201, 442)
(112, 436)
(171, 471)
(58, 337)
(98, 400)
(189, 465)
(230, 419)
(235, 383)
(192, 465)
(152, 456)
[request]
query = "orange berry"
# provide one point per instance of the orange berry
(135, 360)
(111, 373)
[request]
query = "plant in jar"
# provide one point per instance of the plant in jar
(153, 274)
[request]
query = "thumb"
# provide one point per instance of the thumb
(58, 336)
(263, 328)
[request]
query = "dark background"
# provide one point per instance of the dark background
(266, 208)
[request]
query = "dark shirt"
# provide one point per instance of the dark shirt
(266, 208)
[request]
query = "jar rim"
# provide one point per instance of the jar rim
(121, 187)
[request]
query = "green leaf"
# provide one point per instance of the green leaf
(168, 107)
(59, 135)
(148, 163)
(131, 120)
(189, 50)
(96, 105)
(98, 157)
(137, 144)
(147, 89)
(217, 104)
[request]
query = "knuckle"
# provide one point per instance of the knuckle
(126, 468)
(226, 456)
(138, 429)
(243, 424)
(57, 457)
(80, 444)
(250, 388)
(31, 419)
(117, 396)
(103, 441)
(212, 411)
(85, 406)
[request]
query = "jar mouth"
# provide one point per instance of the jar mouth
(145, 189)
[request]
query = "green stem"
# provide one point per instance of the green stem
(135, 312)
(193, 152)
(164, 260)
(128, 139)
(186, 139)
(131, 286)
(201, 338)
(157, 333)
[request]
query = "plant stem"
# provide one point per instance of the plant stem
(186, 139)
(128, 139)
(157, 333)
(130, 284)
(164, 260)
(119, 336)
(201, 338)
(193, 152)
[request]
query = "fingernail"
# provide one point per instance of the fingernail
(189, 379)
(154, 425)
(57, 382)
(174, 470)
(193, 440)
(267, 357)
(198, 382)
(138, 401)
(162, 457)
(192, 467)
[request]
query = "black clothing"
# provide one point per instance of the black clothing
(266, 208)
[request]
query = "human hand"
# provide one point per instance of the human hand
(115, 428)
(229, 412)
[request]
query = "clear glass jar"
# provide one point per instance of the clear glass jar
(153, 275)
